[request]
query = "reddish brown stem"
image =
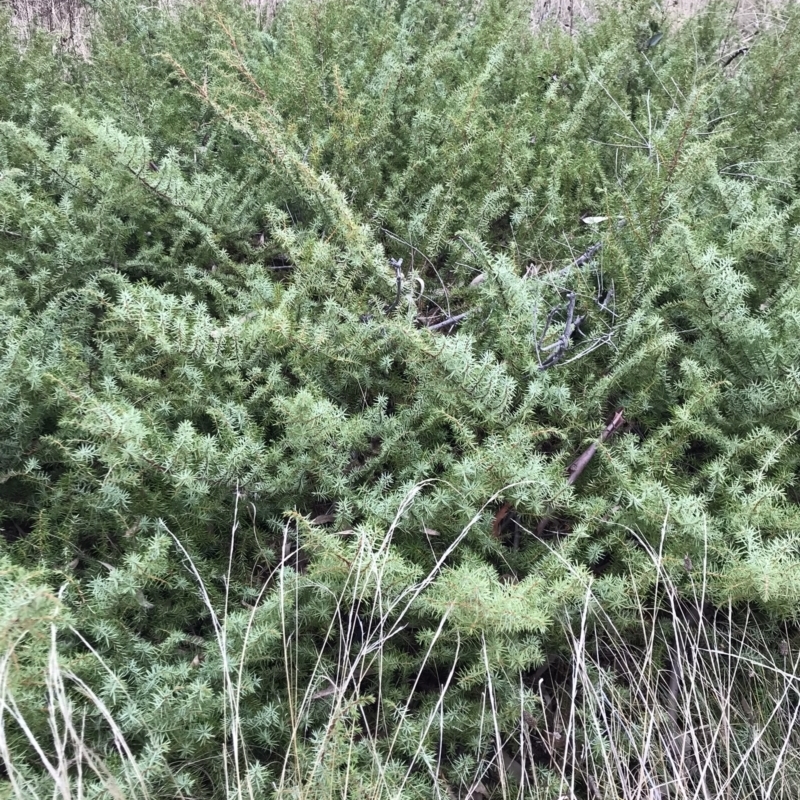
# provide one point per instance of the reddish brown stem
(575, 469)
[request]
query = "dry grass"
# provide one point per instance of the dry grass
(700, 707)
(747, 14)
(71, 19)
(695, 706)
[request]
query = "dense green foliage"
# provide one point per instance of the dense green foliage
(240, 468)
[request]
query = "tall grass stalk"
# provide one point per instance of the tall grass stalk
(698, 708)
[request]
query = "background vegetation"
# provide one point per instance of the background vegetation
(397, 401)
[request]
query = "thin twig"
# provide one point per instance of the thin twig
(561, 345)
(740, 52)
(583, 258)
(577, 467)
(587, 256)
(581, 462)
(449, 321)
(397, 263)
(427, 261)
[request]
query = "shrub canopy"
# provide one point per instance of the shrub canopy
(305, 327)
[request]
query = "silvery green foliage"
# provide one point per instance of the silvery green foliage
(278, 511)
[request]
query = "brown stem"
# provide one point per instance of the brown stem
(575, 469)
